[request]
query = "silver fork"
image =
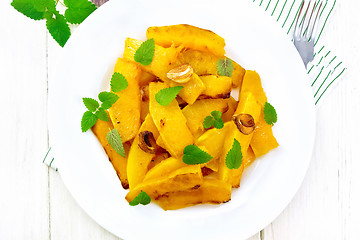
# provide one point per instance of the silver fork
(304, 38)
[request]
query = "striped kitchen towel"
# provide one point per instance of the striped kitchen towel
(326, 67)
(323, 71)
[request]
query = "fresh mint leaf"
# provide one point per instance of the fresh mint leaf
(78, 10)
(233, 158)
(118, 82)
(114, 139)
(30, 8)
(194, 155)
(166, 95)
(225, 67)
(145, 53)
(208, 122)
(218, 123)
(88, 120)
(91, 104)
(102, 115)
(213, 120)
(107, 99)
(270, 114)
(216, 114)
(142, 198)
(58, 28)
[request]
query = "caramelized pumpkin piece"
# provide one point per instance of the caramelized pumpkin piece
(210, 191)
(252, 83)
(101, 129)
(164, 168)
(192, 89)
(213, 141)
(125, 113)
(205, 63)
(263, 139)
(164, 59)
(189, 36)
(247, 105)
(181, 179)
(196, 113)
(232, 105)
(139, 159)
(216, 86)
(170, 123)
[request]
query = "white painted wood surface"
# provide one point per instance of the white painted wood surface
(34, 203)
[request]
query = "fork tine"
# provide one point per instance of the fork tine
(317, 14)
(297, 19)
(307, 30)
(304, 18)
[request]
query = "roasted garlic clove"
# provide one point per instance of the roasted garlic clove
(181, 74)
(245, 123)
(147, 142)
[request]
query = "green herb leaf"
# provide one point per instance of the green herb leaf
(107, 99)
(145, 53)
(88, 120)
(78, 10)
(218, 123)
(58, 28)
(166, 95)
(118, 82)
(142, 198)
(270, 115)
(30, 8)
(214, 120)
(216, 114)
(208, 122)
(102, 115)
(194, 155)
(225, 67)
(233, 158)
(91, 104)
(114, 139)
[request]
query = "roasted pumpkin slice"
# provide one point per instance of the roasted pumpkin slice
(216, 86)
(263, 139)
(181, 179)
(164, 168)
(232, 105)
(125, 113)
(101, 129)
(210, 191)
(205, 63)
(139, 157)
(196, 113)
(213, 141)
(189, 36)
(192, 89)
(170, 123)
(163, 61)
(252, 83)
(247, 106)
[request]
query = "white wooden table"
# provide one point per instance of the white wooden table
(34, 203)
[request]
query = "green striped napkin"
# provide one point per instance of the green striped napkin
(323, 71)
(326, 67)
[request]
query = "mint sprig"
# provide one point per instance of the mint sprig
(194, 155)
(142, 198)
(213, 120)
(270, 114)
(225, 67)
(56, 23)
(97, 111)
(165, 96)
(234, 157)
(145, 53)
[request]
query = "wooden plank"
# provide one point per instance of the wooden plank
(24, 206)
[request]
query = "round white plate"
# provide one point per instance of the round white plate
(255, 42)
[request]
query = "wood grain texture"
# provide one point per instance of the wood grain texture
(36, 205)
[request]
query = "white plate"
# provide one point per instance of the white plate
(255, 42)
